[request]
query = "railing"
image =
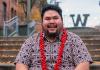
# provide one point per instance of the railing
(10, 27)
(30, 28)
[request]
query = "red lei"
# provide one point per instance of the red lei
(60, 51)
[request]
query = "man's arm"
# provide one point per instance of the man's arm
(83, 66)
(20, 66)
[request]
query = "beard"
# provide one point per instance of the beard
(51, 34)
(52, 30)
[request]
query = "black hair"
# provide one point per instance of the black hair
(47, 7)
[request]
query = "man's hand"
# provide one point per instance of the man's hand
(83, 66)
(20, 66)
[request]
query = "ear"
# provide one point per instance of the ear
(38, 26)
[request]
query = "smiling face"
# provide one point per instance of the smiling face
(52, 22)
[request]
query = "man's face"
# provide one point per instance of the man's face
(52, 22)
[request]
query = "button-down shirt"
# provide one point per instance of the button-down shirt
(74, 53)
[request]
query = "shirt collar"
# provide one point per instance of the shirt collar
(58, 38)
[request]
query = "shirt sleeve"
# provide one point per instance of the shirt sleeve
(24, 53)
(80, 51)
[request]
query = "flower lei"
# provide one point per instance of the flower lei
(60, 51)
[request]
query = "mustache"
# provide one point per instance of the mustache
(52, 26)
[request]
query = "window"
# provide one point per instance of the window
(4, 11)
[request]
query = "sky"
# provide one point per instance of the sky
(81, 7)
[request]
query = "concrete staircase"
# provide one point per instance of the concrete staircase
(91, 38)
(9, 47)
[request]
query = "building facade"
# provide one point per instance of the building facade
(11, 8)
(7, 10)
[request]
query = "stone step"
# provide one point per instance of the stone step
(85, 38)
(10, 46)
(95, 65)
(83, 29)
(11, 59)
(90, 36)
(93, 46)
(7, 59)
(13, 38)
(11, 42)
(9, 56)
(11, 66)
(7, 66)
(95, 52)
(17, 46)
(96, 58)
(88, 33)
(91, 41)
(23, 39)
(8, 53)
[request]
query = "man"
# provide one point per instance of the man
(55, 48)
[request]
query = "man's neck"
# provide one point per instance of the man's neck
(51, 39)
